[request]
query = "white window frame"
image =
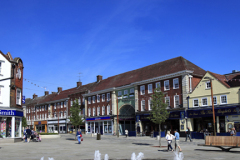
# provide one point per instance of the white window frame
(40, 108)
(56, 107)
(194, 102)
(94, 111)
(208, 83)
(204, 99)
(89, 112)
(165, 85)
(79, 101)
(89, 100)
(108, 109)
(174, 83)
(221, 99)
(158, 85)
(176, 106)
(103, 110)
(143, 105)
(213, 101)
(98, 111)
(167, 98)
(103, 97)
(93, 99)
(98, 98)
(108, 96)
(142, 90)
(149, 104)
(150, 88)
(18, 96)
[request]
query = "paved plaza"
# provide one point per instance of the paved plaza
(66, 148)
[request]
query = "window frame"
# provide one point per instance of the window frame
(89, 100)
(166, 89)
(167, 98)
(143, 109)
(94, 111)
(103, 110)
(98, 111)
(18, 96)
(103, 97)
(175, 101)
(149, 104)
(93, 99)
(89, 112)
(142, 90)
(213, 101)
(208, 83)
(150, 91)
(174, 83)
(108, 97)
(221, 99)
(98, 98)
(108, 109)
(204, 99)
(156, 86)
(197, 102)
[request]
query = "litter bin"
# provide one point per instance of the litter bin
(98, 136)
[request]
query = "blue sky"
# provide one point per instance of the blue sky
(58, 39)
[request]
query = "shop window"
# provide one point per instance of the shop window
(195, 103)
(204, 102)
(166, 85)
(223, 99)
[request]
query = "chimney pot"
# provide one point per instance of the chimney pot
(99, 78)
(46, 93)
(79, 84)
(59, 89)
(34, 95)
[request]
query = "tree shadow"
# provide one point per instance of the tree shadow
(219, 150)
(144, 144)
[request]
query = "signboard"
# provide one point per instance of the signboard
(98, 119)
(23, 99)
(11, 113)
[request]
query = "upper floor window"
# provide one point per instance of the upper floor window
(40, 108)
(195, 103)
(150, 88)
(204, 102)
(56, 107)
(158, 85)
(214, 100)
(18, 97)
(103, 97)
(142, 90)
(208, 85)
(93, 99)
(108, 110)
(61, 104)
(98, 98)
(125, 92)
(223, 99)
(65, 104)
(132, 90)
(166, 85)
(119, 93)
(0, 94)
(89, 100)
(89, 112)
(79, 101)
(176, 101)
(150, 104)
(175, 83)
(142, 105)
(108, 96)
(83, 100)
(98, 111)
(167, 101)
(103, 110)
(94, 113)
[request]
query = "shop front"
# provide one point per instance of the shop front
(11, 123)
(40, 126)
(102, 125)
(52, 126)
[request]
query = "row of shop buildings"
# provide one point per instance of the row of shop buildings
(125, 99)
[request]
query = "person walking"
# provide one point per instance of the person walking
(188, 134)
(177, 140)
(169, 138)
(79, 135)
(28, 132)
(126, 132)
(233, 132)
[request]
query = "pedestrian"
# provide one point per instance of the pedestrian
(177, 140)
(29, 132)
(169, 138)
(233, 132)
(79, 136)
(25, 136)
(188, 134)
(126, 132)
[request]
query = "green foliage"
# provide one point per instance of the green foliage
(75, 118)
(159, 112)
(24, 121)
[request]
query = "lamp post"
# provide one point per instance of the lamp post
(214, 127)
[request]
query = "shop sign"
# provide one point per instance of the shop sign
(208, 112)
(98, 119)
(54, 122)
(11, 113)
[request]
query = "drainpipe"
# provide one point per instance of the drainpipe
(186, 110)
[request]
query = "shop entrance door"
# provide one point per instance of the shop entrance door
(50, 128)
(62, 128)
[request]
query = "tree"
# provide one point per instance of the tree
(24, 122)
(75, 117)
(159, 111)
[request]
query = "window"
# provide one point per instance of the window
(204, 102)
(142, 90)
(79, 101)
(65, 113)
(83, 100)
(166, 85)
(46, 107)
(176, 101)
(93, 99)
(167, 101)
(119, 93)
(103, 110)
(125, 92)
(0, 94)
(150, 88)
(98, 98)
(55, 114)
(56, 107)
(223, 99)
(150, 104)
(89, 112)
(195, 103)
(175, 83)
(94, 113)
(132, 90)
(158, 85)
(61, 104)
(214, 100)
(108, 110)
(98, 111)
(103, 97)
(18, 97)
(108, 96)
(42, 116)
(89, 100)
(40, 108)
(142, 105)
(208, 85)
(61, 114)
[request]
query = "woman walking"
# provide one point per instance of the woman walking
(169, 138)
(79, 135)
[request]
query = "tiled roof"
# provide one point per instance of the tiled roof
(155, 70)
(220, 78)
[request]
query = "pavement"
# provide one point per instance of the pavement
(66, 148)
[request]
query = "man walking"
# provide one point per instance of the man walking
(28, 132)
(233, 132)
(177, 140)
(188, 134)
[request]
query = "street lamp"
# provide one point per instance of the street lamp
(214, 128)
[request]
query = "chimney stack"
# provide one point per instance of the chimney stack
(54, 92)
(79, 84)
(46, 93)
(34, 95)
(99, 78)
(59, 89)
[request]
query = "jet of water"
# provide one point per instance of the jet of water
(48, 158)
(106, 157)
(97, 155)
(178, 156)
(139, 157)
(133, 157)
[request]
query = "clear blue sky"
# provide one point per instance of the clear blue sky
(58, 39)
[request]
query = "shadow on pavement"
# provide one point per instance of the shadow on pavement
(70, 139)
(164, 150)
(145, 144)
(204, 150)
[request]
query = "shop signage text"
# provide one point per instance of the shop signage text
(11, 113)
(98, 119)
